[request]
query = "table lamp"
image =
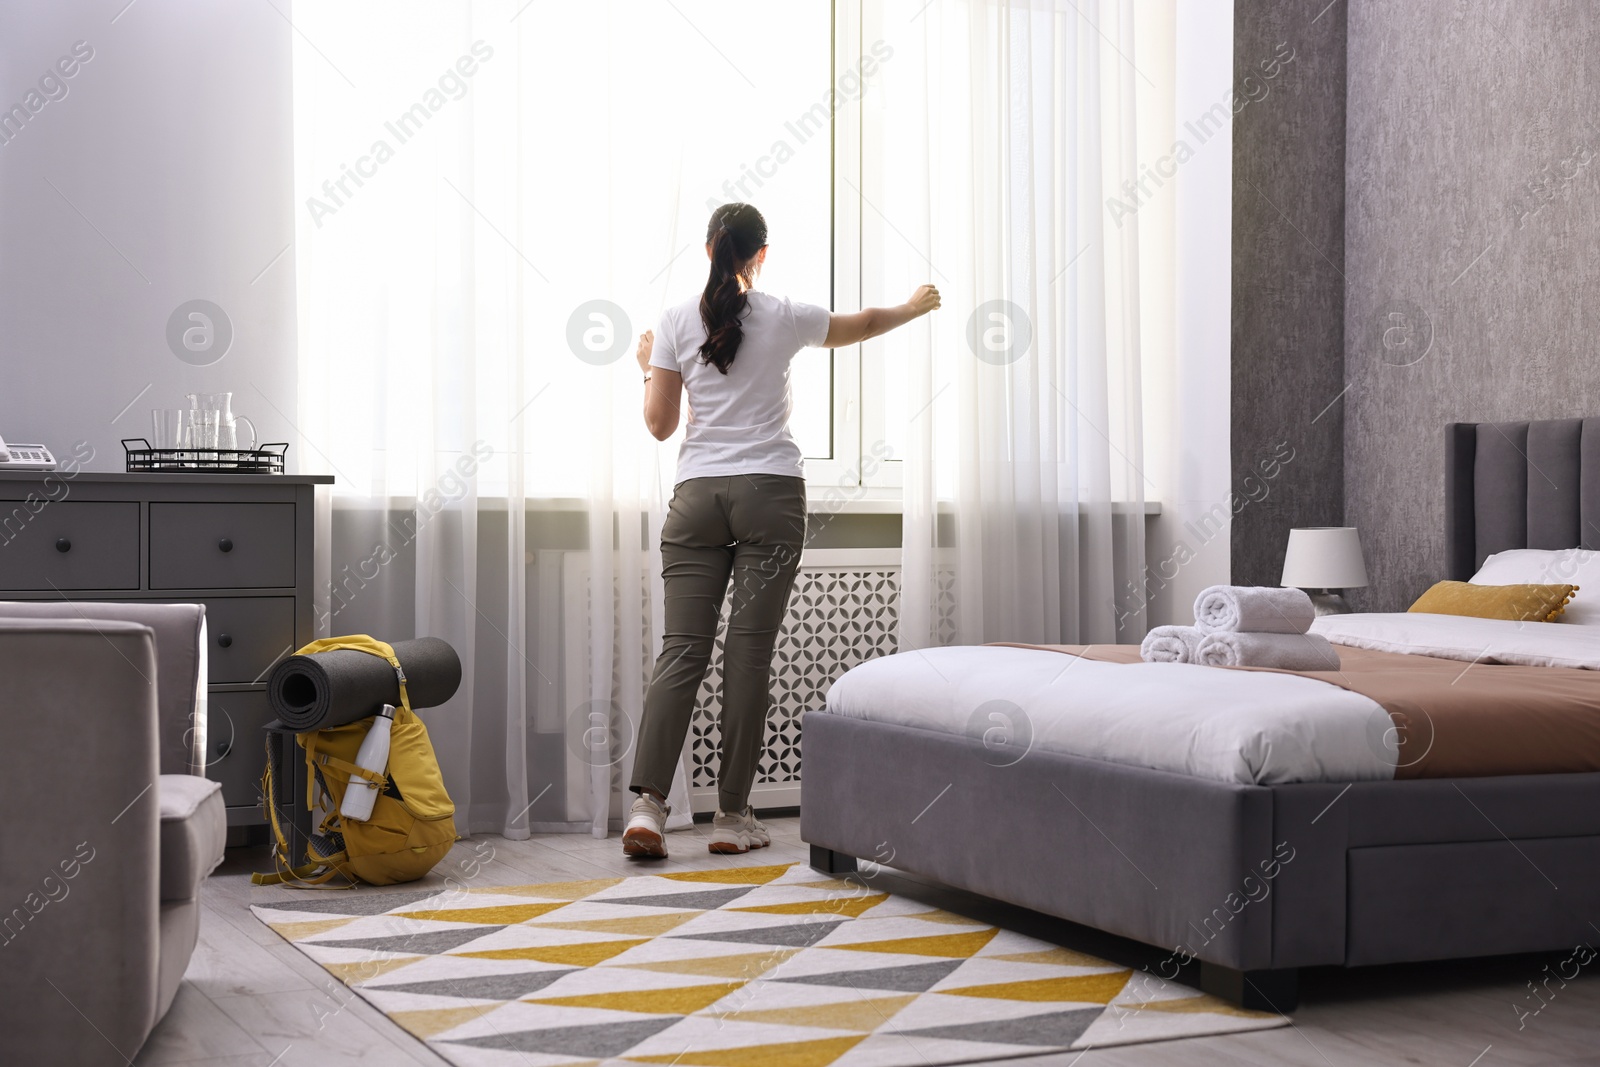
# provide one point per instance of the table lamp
(1321, 560)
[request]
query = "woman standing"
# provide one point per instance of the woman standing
(738, 511)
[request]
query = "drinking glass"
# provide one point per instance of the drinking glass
(201, 429)
(169, 428)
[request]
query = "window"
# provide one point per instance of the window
(868, 404)
(712, 102)
(449, 162)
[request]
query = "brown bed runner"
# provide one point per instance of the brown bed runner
(1455, 719)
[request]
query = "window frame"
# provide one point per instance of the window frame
(852, 477)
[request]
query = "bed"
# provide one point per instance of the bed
(1305, 830)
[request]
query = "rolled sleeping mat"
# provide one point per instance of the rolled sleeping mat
(328, 689)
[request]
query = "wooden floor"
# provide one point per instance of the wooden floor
(250, 999)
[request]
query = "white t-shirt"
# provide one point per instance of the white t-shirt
(739, 422)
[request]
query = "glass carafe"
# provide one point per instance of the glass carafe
(226, 422)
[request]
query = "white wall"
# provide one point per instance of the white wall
(1187, 430)
(163, 175)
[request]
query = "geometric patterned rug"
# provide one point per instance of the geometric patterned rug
(746, 967)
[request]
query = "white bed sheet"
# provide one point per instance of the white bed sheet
(1206, 722)
(1531, 644)
(1230, 726)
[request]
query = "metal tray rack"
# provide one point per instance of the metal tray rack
(262, 460)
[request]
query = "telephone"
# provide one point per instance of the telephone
(25, 458)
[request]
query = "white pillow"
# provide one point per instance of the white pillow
(1544, 566)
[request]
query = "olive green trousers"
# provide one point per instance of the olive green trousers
(748, 531)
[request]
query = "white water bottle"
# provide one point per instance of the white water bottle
(360, 794)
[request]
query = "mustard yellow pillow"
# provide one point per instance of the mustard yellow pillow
(1518, 603)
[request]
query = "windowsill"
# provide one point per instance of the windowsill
(888, 502)
(829, 500)
(871, 500)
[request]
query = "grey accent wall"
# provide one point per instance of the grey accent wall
(1288, 278)
(163, 175)
(1472, 227)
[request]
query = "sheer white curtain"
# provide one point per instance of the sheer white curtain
(1004, 127)
(494, 201)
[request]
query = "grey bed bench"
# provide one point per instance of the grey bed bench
(1361, 873)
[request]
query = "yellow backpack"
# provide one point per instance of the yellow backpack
(412, 825)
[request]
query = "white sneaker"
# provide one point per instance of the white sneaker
(738, 833)
(647, 821)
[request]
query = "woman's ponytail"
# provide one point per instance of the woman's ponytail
(736, 233)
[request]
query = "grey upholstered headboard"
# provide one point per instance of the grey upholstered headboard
(1519, 485)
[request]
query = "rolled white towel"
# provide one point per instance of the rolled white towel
(1288, 652)
(1170, 644)
(1253, 609)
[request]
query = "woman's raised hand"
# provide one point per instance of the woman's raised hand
(647, 344)
(853, 328)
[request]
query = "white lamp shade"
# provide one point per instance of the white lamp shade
(1324, 557)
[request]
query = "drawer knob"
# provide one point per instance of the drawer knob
(224, 640)
(63, 545)
(223, 749)
(226, 544)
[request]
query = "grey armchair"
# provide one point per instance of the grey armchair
(107, 827)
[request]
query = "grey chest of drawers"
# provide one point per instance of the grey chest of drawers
(242, 545)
